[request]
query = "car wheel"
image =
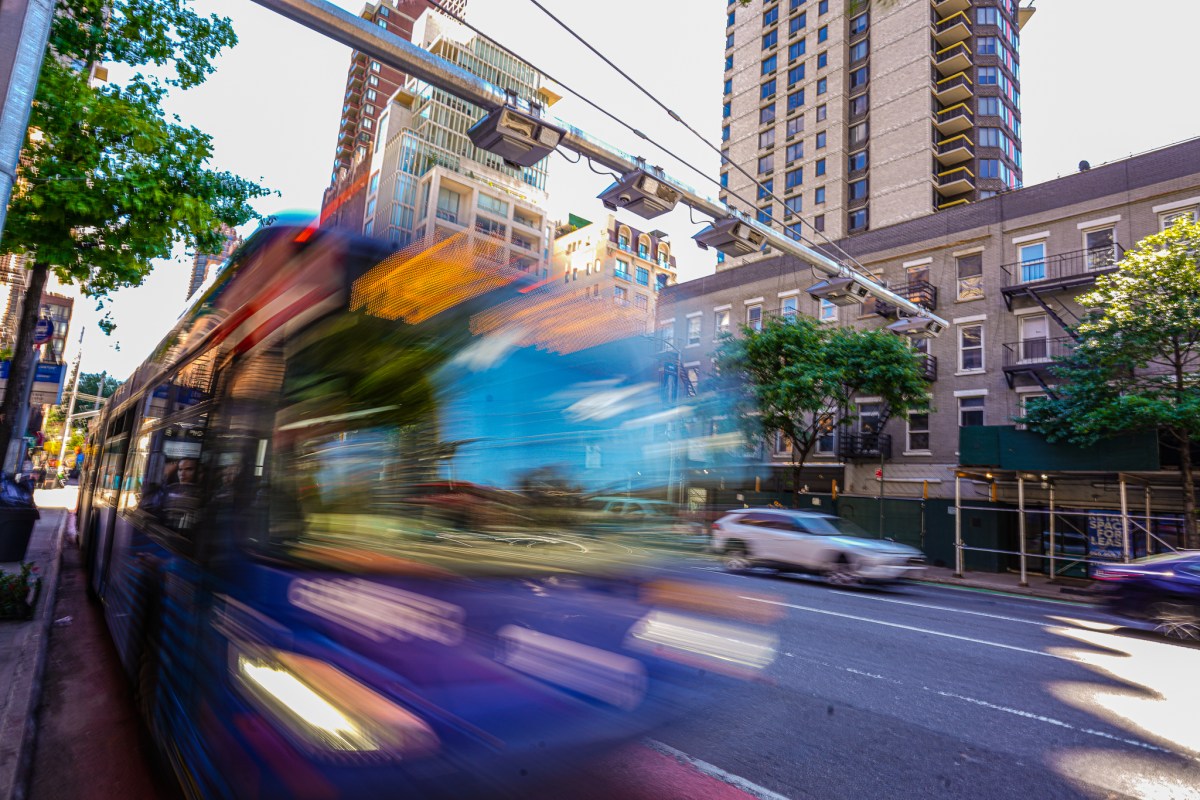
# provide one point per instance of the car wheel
(842, 572)
(737, 557)
(1176, 620)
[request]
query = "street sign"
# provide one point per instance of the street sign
(43, 331)
(879, 474)
(47, 383)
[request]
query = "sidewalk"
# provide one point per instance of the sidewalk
(23, 645)
(1072, 589)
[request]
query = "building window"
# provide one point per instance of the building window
(1101, 250)
(730, 19)
(643, 276)
(766, 188)
(822, 112)
(793, 178)
(970, 348)
(766, 114)
(797, 23)
(374, 185)
(821, 139)
(372, 94)
(764, 214)
(374, 66)
(859, 106)
(795, 231)
(766, 139)
(493, 205)
(970, 411)
(822, 85)
(666, 335)
(859, 51)
(827, 311)
(1029, 400)
(858, 78)
(822, 60)
(857, 161)
(641, 302)
(823, 7)
(858, 135)
(754, 317)
(728, 63)
(989, 106)
(918, 431)
(822, 34)
(795, 151)
(787, 308)
(768, 65)
(858, 220)
(797, 49)
(373, 80)
(795, 74)
(621, 295)
(970, 276)
(766, 164)
(368, 124)
(767, 90)
(795, 100)
(795, 126)
(622, 270)
(819, 196)
(729, 41)
(987, 16)
(820, 167)
(858, 190)
(693, 331)
(827, 442)
(793, 205)
(819, 222)
(858, 25)
(770, 16)
(726, 110)
(720, 323)
(985, 76)
(1170, 218)
(987, 45)
(783, 445)
(728, 88)
(725, 133)
(770, 39)
(1033, 262)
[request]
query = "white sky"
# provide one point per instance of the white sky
(1098, 83)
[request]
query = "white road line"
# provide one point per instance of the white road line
(910, 628)
(736, 781)
(1041, 623)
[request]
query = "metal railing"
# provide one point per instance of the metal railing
(953, 51)
(929, 367)
(954, 112)
(1075, 264)
(961, 141)
(864, 445)
(921, 292)
(946, 84)
(448, 216)
(1029, 352)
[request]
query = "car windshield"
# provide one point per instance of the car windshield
(832, 526)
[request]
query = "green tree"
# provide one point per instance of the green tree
(106, 183)
(1137, 364)
(800, 377)
(89, 384)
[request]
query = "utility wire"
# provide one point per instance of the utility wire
(671, 113)
(589, 102)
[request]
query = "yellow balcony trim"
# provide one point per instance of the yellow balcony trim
(962, 14)
(959, 136)
(957, 202)
(963, 45)
(956, 169)
(956, 75)
(951, 108)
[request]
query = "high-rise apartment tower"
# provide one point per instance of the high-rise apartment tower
(864, 113)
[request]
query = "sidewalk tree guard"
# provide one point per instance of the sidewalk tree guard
(106, 183)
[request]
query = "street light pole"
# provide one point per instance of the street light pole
(62, 449)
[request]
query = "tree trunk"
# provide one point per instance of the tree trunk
(14, 413)
(1191, 536)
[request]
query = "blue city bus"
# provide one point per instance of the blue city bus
(338, 525)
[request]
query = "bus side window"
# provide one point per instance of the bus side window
(171, 492)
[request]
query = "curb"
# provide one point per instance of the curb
(1061, 593)
(20, 720)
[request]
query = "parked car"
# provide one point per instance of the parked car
(1162, 591)
(804, 541)
(656, 522)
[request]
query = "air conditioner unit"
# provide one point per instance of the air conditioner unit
(841, 291)
(731, 236)
(520, 139)
(642, 193)
(916, 327)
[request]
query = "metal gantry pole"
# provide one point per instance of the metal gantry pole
(356, 32)
(1021, 526)
(1124, 522)
(1149, 536)
(1053, 516)
(958, 542)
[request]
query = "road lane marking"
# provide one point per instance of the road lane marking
(1041, 623)
(738, 782)
(1001, 593)
(913, 628)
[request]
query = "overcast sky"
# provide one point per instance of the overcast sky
(1098, 83)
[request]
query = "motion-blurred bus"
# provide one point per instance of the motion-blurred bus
(339, 525)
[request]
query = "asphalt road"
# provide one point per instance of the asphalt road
(912, 692)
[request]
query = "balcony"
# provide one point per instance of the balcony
(929, 367)
(953, 59)
(448, 216)
(1061, 271)
(955, 181)
(952, 203)
(954, 89)
(955, 150)
(954, 119)
(954, 28)
(1035, 354)
(945, 8)
(858, 446)
(923, 293)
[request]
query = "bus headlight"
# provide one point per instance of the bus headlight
(327, 710)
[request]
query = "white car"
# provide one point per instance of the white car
(803, 541)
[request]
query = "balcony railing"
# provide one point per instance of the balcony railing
(954, 89)
(1036, 353)
(923, 293)
(1074, 268)
(449, 216)
(929, 367)
(954, 28)
(955, 181)
(955, 149)
(952, 59)
(864, 445)
(954, 119)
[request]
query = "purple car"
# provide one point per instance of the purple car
(1161, 590)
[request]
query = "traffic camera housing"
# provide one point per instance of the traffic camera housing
(732, 236)
(519, 138)
(641, 192)
(916, 327)
(841, 291)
